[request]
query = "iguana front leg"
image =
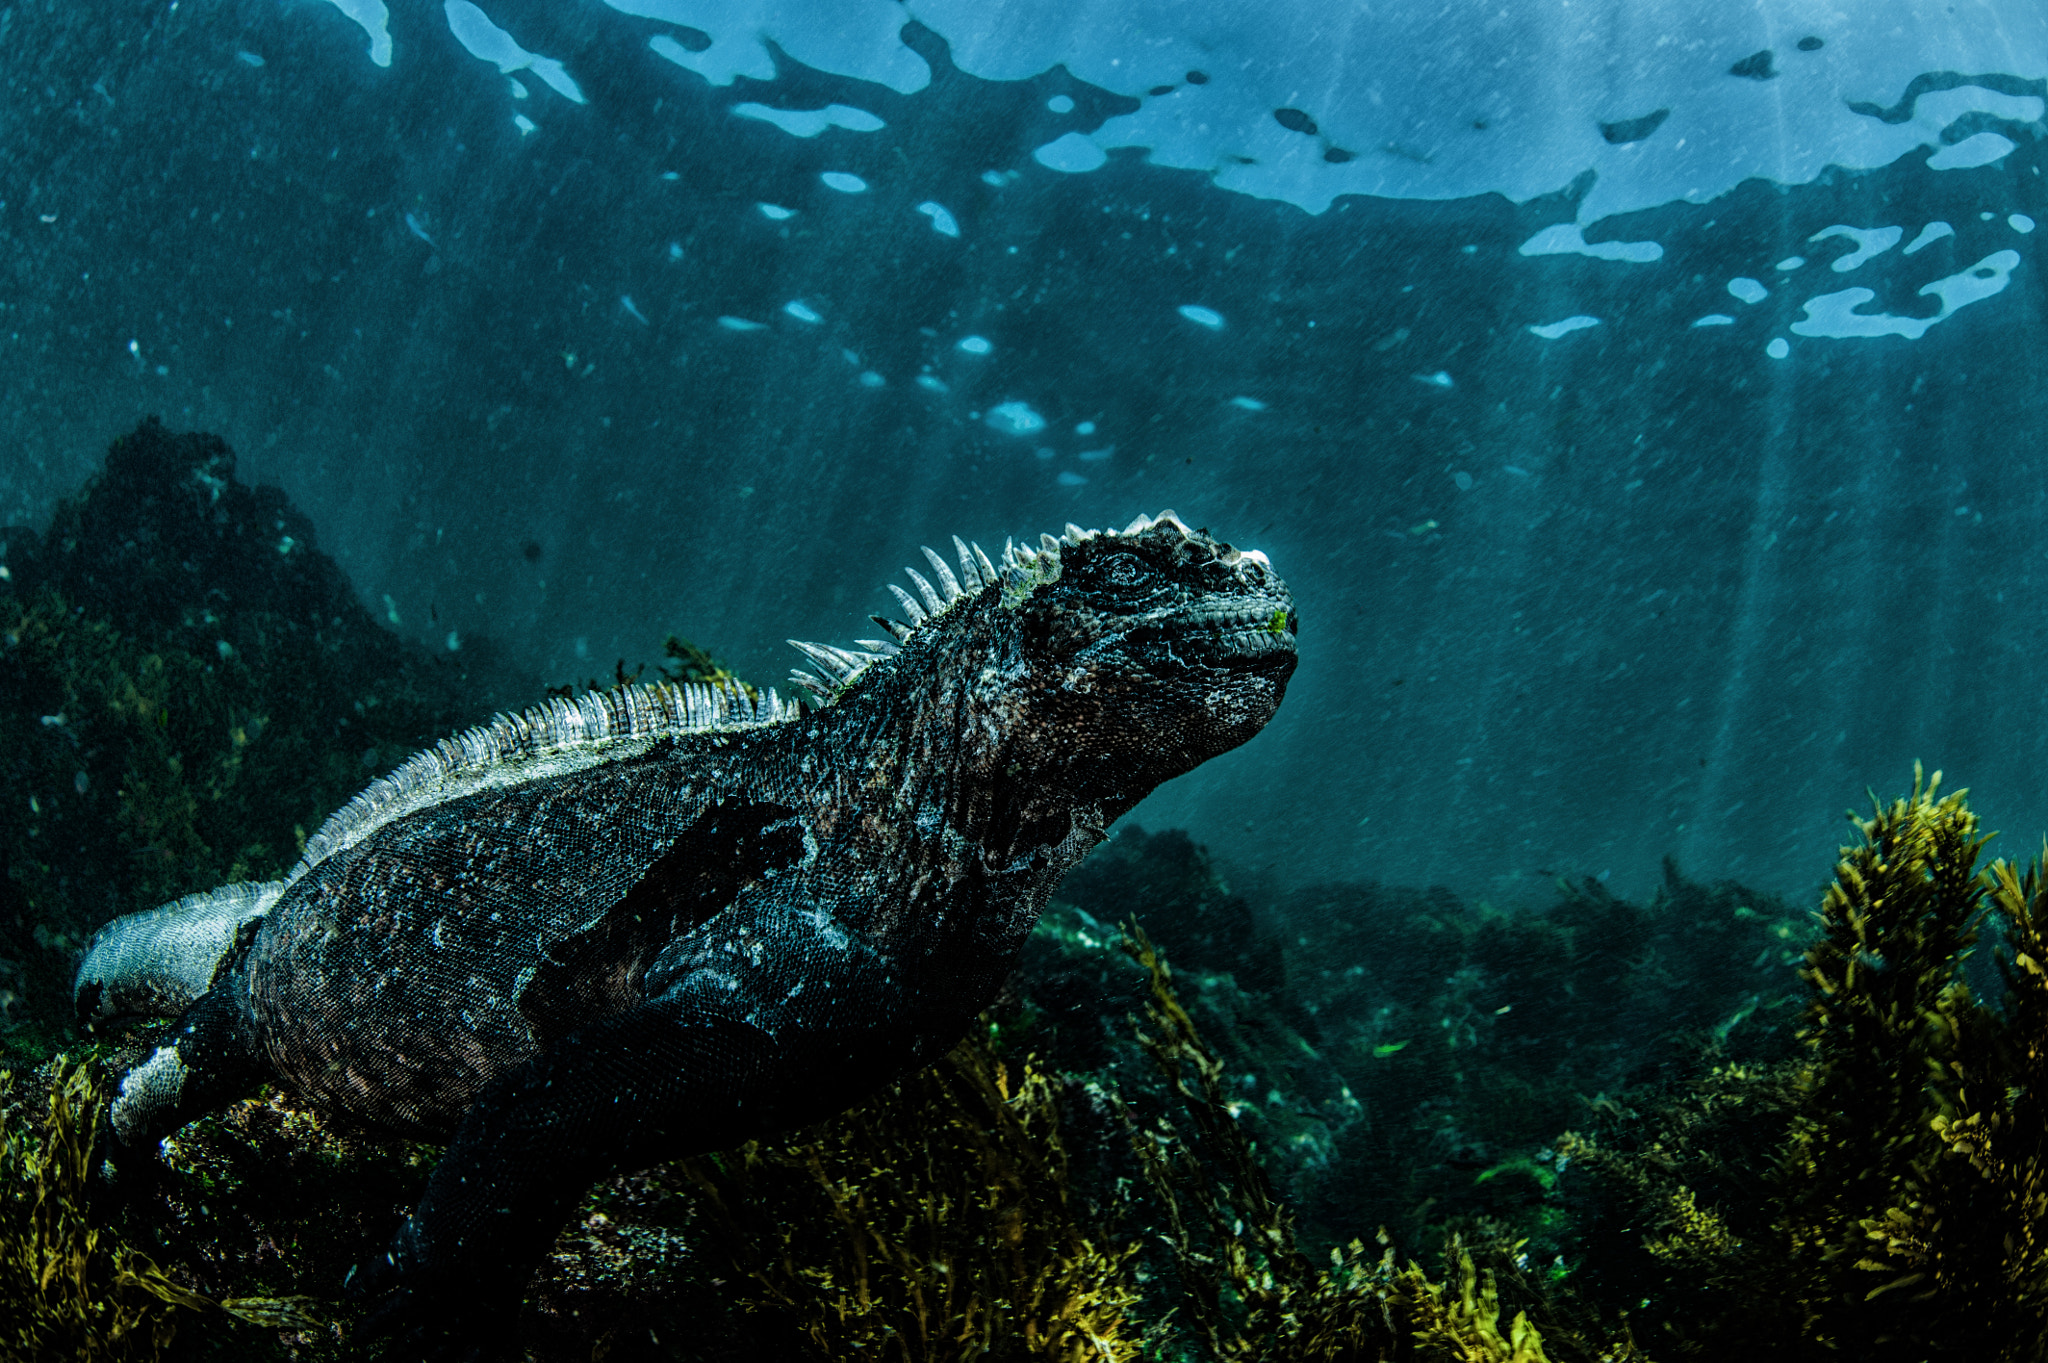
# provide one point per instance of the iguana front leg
(714, 1061)
(209, 1060)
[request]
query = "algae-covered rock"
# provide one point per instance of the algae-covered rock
(1423, 1052)
(1166, 880)
(1473, 1035)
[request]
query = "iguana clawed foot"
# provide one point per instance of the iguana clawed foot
(431, 1312)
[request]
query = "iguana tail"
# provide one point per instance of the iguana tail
(155, 964)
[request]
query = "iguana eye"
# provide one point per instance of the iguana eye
(1125, 570)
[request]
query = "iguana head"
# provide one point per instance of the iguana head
(1157, 642)
(1101, 661)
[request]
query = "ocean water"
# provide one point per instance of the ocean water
(1640, 400)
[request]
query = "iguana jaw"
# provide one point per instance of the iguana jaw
(1256, 634)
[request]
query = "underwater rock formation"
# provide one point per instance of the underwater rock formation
(187, 685)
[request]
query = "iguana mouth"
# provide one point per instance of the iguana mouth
(1256, 641)
(1241, 634)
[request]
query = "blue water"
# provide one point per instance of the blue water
(1642, 401)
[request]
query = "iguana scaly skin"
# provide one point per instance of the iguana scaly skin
(663, 920)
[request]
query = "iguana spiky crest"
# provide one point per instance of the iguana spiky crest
(553, 738)
(1018, 571)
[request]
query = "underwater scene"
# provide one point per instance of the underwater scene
(1420, 521)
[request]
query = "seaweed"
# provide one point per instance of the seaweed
(70, 1286)
(934, 1222)
(267, 1199)
(1881, 1193)
(1427, 1050)
(1253, 1294)
(682, 661)
(67, 1287)
(1471, 1035)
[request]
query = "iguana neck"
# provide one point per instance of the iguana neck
(966, 733)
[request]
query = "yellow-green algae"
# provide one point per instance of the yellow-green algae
(70, 1287)
(1883, 1193)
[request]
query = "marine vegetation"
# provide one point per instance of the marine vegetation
(934, 1222)
(682, 662)
(1405, 1058)
(1882, 1193)
(1250, 1291)
(69, 1287)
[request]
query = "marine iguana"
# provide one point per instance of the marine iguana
(668, 919)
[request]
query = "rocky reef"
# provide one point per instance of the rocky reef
(188, 685)
(1356, 1122)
